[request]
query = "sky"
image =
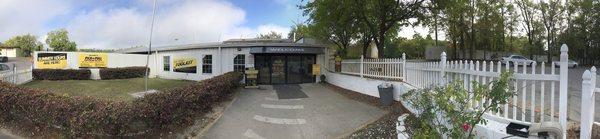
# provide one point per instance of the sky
(114, 24)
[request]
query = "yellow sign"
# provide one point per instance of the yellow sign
(185, 64)
(93, 60)
(316, 69)
(51, 61)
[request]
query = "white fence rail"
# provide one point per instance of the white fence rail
(533, 86)
(387, 68)
(588, 97)
(16, 76)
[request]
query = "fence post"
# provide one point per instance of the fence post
(14, 73)
(564, 78)
(362, 58)
(404, 67)
(443, 69)
(587, 103)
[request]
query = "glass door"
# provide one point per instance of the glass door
(307, 62)
(278, 69)
(264, 69)
(295, 69)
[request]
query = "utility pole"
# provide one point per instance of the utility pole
(149, 48)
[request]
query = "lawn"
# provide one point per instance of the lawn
(119, 89)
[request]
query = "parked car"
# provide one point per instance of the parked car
(517, 59)
(3, 59)
(570, 63)
(4, 67)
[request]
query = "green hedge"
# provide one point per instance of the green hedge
(35, 111)
(122, 73)
(61, 74)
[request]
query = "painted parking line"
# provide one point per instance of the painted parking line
(289, 107)
(279, 120)
(276, 99)
(253, 135)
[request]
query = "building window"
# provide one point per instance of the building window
(207, 64)
(166, 63)
(239, 63)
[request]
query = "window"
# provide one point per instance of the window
(239, 63)
(207, 64)
(166, 63)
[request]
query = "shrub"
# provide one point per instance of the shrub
(122, 73)
(34, 111)
(61, 74)
(447, 112)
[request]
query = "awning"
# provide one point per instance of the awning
(286, 50)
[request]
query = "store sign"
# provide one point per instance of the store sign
(291, 50)
(185, 64)
(51, 61)
(316, 69)
(93, 60)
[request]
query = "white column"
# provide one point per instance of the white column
(564, 57)
(443, 70)
(404, 67)
(587, 103)
(362, 58)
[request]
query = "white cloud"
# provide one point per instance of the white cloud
(186, 22)
(19, 17)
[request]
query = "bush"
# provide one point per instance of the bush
(61, 74)
(445, 111)
(34, 111)
(122, 73)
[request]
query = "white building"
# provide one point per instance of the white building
(8, 51)
(278, 61)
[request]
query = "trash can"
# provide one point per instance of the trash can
(386, 93)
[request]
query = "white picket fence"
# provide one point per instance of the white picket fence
(385, 68)
(16, 76)
(532, 85)
(588, 97)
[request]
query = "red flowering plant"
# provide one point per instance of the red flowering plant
(452, 110)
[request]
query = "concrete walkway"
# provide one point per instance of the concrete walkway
(308, 111)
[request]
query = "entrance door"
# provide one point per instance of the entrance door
(295, 69)
(278, 69)
(263, 66)
(282, 69)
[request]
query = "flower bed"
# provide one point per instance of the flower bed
(61, 74)
(34, 112)
(122, 73)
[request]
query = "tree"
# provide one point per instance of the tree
(26, 43)
(551, 13)
(332, 21)
(385, 17)
(299, 31)
(58, 40)
(270, 35)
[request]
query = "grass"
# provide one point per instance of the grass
(118, 89)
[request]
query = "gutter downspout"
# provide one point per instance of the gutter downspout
(220, 61)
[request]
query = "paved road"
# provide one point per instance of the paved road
(308, 111)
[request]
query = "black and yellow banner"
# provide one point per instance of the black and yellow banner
(185, 65)
(93, 60)
(51, 61)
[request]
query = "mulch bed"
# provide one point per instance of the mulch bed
(384, 127)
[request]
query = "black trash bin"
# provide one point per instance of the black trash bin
(386, 93)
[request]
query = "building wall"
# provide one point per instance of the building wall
(220, 63)
(115, 60)
(9, 52)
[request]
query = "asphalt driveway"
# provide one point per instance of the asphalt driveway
(292, 111)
